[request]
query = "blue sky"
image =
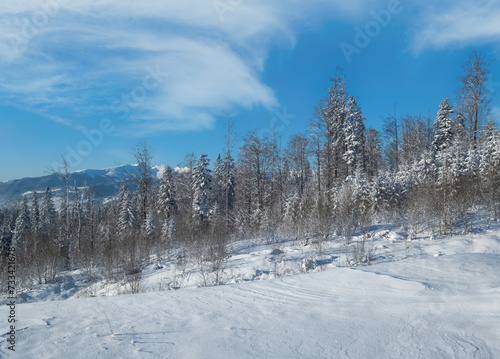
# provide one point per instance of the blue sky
(89, 80)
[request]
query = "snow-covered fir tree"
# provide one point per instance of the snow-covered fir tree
(228, 186)
(296, 165)
(292, 214)
(334, 109)
(217, 185)
(354, 136)
(23, 224)
(363, 196)
(6, 236)
(150, 226)
(490, 146)
(35, 215)
(373, 152)
(126, 213)
(64, 222)
(201, 187)
(223, 187)
(443, 127)
(168, 231)
(167, 197)
(48, 214)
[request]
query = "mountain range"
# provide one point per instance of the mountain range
(106, 182)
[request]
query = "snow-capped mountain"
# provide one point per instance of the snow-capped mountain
(106, 182)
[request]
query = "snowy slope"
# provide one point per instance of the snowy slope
(441, 302)
(341, 313)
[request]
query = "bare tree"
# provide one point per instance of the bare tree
(473, 96)
(373, 152)
(63, 174)
(296, 154)
(391, 133)
(317, 130)
(415, 139)
(144, 181)
(255, 165)
(229, 172)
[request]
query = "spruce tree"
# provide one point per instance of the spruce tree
(201, 187)
(373, 152)
(334, 110)
(35, 215)
(228, 186)
(126, 214)
(48, 214)
(23, 224)
(354, 136)
(474, 96)
(443, 127)
(167, 195)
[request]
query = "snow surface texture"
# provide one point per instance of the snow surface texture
(422, 299)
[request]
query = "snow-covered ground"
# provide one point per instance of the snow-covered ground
(419, 299)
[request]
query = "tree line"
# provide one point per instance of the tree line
(427, 175)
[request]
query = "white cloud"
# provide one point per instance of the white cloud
(456, 23)
(75, 61)
(182, 169)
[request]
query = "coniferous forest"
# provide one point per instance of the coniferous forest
(432, 176)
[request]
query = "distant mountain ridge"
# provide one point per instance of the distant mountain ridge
(106, 181)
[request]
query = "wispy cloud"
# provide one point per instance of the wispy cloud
(73, 61)
(455, 24)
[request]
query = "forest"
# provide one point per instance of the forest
(425, 175)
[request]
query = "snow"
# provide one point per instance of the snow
(160, 170)
(181, 169)
(420, 299)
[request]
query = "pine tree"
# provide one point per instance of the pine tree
(426, 168)
(77, 225)
(490, 147)
(354, 136)
(201, 187)
(363, 195)
(472, 162)
(143, 156)
(443, 127)
(334, 110)
(223, 186)
(150, 226)
(490, 166)
(217, 182)
(373, 153)
(392, 135)
(228, 186)
(474, 97)
(23, 224)
(126, 214)
(91, 223)
(64, 223)
(7, 225)
(48, 214)
(292, 214)
(167, 231)
(167, 200)
(229, 176)
(6, 236)
(35, 215)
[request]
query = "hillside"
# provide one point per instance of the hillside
(419, 299)
(106, 182)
